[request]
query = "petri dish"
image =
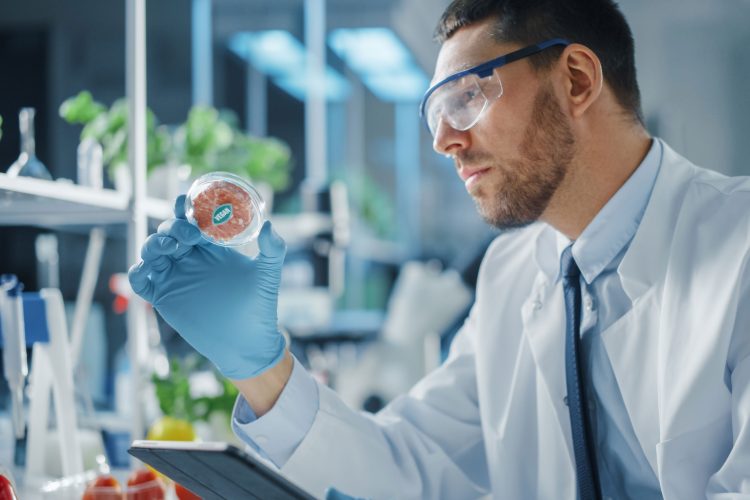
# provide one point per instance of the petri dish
(226, 208)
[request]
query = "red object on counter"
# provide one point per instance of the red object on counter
(104, 487)
(184, 493)
(143, 484)
(6, 489)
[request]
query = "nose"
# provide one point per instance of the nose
(448, 140)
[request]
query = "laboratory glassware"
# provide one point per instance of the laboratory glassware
(14, 347)
(27, 164)
(226, 208)
(90, 157)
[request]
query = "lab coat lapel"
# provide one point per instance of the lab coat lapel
(632, 342)
(632, 346)
(645, 262)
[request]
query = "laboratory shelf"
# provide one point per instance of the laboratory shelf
(26, 201)
(297, 229)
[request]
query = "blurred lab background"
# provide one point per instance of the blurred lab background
(315, 101)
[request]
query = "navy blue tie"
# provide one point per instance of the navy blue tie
(580, 420)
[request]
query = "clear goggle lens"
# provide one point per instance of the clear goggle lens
(461, 102)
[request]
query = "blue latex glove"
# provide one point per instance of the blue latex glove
(334, 494)
(221, 302)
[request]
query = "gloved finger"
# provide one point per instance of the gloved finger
(272, 246)
(270, 258)
(181, 230)
(157, 245)
(334, 494)
(160, 263)
(182, 250)
(140, 281)
(179, 207)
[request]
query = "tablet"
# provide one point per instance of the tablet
(216, 470)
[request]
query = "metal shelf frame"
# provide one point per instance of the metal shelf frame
(135, 76)
(63, 205)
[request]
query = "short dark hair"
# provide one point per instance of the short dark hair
(597, 24)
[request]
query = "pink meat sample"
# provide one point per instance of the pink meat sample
(221, 193)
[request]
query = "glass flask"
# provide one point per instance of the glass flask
(90, 163)
(27, 164)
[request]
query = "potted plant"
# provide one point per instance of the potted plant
(208, 140)
(109, 127)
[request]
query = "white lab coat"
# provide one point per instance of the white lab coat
(492, 418)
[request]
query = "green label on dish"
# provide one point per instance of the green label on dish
(222, 214)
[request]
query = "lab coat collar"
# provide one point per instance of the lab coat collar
(617, 222)
(645, 262)
(611, 229)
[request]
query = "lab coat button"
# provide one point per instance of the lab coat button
(261, 441)
(537, 305)
(565, 400)
(589, 304)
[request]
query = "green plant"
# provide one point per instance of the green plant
(372, 203)
(173, 393)
(208, 140)
(265, 159)
(203, 137)
(109, 127)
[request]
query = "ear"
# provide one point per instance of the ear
(583, 79)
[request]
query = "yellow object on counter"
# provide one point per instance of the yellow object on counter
(171, 429)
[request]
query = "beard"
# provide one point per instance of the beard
(525, 187)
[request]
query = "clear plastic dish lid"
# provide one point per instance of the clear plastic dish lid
(226, 208)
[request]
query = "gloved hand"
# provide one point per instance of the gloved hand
(334, 494)
(221, 302)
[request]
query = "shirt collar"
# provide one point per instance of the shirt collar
(610, 231)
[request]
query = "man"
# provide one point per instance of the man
(607, 354)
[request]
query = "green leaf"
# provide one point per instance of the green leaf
(81, 108)
(96, 128)
(117, 117)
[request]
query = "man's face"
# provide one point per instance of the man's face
(514, 159)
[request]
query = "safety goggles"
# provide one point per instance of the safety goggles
(462, 98)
